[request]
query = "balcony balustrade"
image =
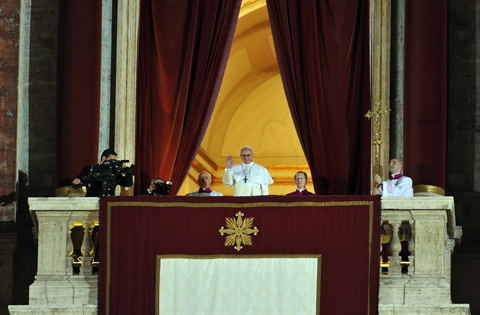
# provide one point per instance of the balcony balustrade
(422, 289)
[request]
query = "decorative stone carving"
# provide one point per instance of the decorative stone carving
(395, 247)
(87, 250)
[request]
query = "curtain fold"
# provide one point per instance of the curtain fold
(322, 48)
(425, 92)
(183, 51)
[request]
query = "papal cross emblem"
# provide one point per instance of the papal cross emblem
(238, 231)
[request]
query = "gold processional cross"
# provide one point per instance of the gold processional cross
(377, 141)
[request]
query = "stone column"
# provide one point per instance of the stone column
(106, 77)
(396, 75)
(126, 82)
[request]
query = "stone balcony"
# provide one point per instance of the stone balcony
(57, 289)
(423, 289)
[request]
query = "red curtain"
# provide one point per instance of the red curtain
(322, 48)
(78, 92)
(136, 229)
(183, 51)
(425, 92)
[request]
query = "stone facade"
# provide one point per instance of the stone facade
(9, 56)
(463, 151)
(463, 145)
(9, 45)
(42, 97)
(27, 105)
(36, 145)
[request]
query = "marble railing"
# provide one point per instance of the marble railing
(424, 289)
(57, 289)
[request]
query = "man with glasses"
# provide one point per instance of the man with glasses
(247, 178)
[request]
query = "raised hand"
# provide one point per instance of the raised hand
(377, 179)
(229, 161)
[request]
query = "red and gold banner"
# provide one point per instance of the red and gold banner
(343, 229)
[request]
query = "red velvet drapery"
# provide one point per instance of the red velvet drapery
(322, 49)
(425, 93)
(78, 91)
(183, 50)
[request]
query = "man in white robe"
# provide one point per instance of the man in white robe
(247, 178)
(204, 181)
(397, 185)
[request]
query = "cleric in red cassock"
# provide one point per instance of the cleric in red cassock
(301, 181)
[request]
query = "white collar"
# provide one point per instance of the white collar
(247, 165)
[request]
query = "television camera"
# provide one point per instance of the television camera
(109, 173)
(162, 189)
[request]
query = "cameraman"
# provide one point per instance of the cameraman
(95, 188)
(158, 187)
(151, 190)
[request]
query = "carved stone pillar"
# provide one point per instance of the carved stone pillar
(68, 254)
(395, 247)
(87, 250)
(411, 247)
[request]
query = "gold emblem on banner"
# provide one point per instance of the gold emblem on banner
(238, 231)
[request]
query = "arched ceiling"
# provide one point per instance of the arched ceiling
(251, 108)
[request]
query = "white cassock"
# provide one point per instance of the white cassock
(247, 179)
(401, 187)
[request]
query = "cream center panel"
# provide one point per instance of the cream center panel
(243, 285)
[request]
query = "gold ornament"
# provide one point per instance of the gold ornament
(238, 231)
